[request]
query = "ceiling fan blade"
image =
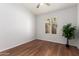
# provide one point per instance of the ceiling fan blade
(38, 5)
(48, 4)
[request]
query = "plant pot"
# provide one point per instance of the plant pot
(67, 45)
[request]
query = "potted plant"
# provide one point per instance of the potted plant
(69, 32)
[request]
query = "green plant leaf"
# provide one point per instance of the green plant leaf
(69, 31)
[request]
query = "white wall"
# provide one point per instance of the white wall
(64, 16)
(17, 25)
(77, 43)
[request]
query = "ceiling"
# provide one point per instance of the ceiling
(46, 9)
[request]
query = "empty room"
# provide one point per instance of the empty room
(39, 29)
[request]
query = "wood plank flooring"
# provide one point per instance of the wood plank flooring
(41, 48)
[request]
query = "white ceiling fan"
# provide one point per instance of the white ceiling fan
(39, 4)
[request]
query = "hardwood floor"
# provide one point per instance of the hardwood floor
(41, 48)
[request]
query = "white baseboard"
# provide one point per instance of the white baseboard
(15, 45)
